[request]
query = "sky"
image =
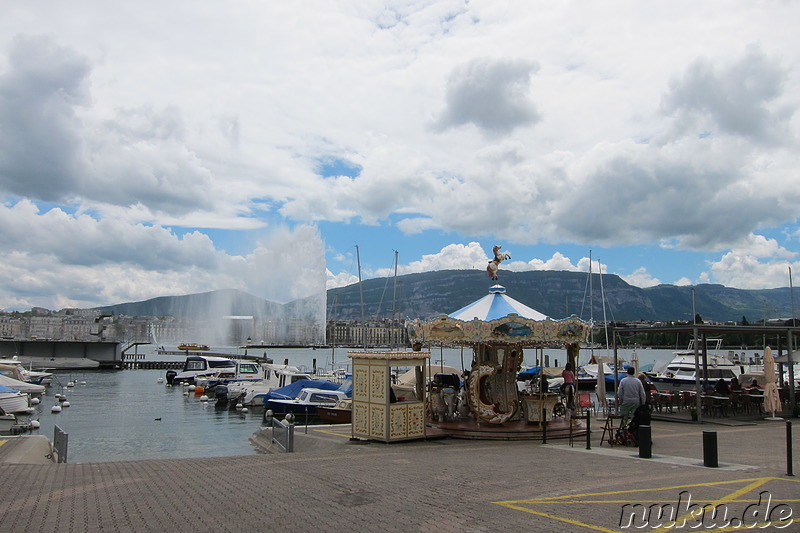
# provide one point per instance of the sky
(165, 148)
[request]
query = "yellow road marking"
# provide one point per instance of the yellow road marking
(751, 484)
(331, 432)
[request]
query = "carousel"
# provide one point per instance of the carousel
(490, 404)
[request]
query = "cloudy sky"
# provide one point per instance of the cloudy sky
(156, 148)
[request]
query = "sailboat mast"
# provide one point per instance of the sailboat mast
(361, 295)
(394, 321)
(394, 288)
(591, 308)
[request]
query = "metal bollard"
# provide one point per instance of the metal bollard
(789, 458)
(544, 426)
(710, 455)
(588, 430)
(268, 418)
(645, 442)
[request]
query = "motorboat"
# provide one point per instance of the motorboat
(31, 376)
(681, 372)
(341, 413)
(307, 402)
(250, 393)
(586, 376)
(19, 385)
(303, 397)
(13, 401)
(200, 366)
(243, 371)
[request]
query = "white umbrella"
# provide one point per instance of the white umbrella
(601, 383)
(772, 400)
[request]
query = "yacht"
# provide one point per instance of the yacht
(200, 366)
(681, 372)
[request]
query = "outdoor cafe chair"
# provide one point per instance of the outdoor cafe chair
(735, 404)
(687, 399)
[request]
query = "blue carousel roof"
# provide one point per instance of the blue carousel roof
(496, 305)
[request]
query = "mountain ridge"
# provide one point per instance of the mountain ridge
(557, 294)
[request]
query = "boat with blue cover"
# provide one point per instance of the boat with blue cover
(303, 397)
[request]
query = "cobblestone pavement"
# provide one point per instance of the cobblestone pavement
(438, 485)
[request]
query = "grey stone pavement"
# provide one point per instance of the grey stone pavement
(442, 485)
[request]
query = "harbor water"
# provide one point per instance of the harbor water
(117, 415)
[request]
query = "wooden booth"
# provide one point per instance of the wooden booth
(378, 413)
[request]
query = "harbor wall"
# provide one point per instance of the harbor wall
(108, 354)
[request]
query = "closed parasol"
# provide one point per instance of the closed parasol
(600, 391)
(772, 400)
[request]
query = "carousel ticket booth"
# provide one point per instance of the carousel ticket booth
(378, 413)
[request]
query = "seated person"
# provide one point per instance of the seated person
(754, 386)
(735, 385)
(721, 388)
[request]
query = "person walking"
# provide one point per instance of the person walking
(568, 387)
(630, 394)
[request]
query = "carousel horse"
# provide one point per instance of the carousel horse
(495, 263)
(485, 411)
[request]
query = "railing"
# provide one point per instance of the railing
(60, 441)
(282, 432)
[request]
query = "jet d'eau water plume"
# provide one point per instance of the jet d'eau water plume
(278, 297)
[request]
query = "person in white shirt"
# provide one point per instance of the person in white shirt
(630, 394)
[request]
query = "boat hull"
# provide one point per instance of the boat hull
(335, 415)
(284, 407)
(663, 384)
(14, 402)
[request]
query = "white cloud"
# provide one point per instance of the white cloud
(588, 125)
(756, 263)
(342, 279)
(642, 278)
(55, 259)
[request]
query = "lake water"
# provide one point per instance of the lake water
(126, 414)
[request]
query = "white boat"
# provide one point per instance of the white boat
(242, 371)
(681, 373)
(19, 385)
(275, 376)
(31, 376)
(200, 366)
(13, 401)
(307, 402)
